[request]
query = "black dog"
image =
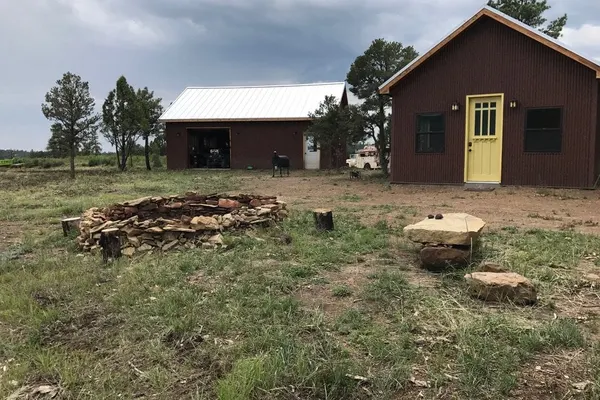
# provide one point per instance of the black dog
(280, 162)
(354, 174)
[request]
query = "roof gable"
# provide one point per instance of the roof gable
(251, 103)
(505, 20)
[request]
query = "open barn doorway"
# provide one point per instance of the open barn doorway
(209, 147)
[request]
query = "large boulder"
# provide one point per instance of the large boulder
(502, 287)
(457, 229)
(439, 258)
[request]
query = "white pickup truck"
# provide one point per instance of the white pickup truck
(365, 158)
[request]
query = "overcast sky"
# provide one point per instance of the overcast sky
(170, 44)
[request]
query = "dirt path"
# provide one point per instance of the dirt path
(506, 206)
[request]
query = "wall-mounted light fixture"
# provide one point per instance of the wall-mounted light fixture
(455, 106)
(512, 104)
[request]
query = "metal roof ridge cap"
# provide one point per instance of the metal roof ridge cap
(267, 86)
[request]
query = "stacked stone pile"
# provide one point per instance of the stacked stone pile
(189, 221)
(447, 241)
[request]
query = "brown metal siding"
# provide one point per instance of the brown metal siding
(252, 143)
(492, 58)
(597, 153)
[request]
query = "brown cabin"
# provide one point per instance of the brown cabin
(240, 127)
(496, 102)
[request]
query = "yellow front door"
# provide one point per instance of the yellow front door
(484, 139)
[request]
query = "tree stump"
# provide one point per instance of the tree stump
(110, 243)
(69, 224)
(323, 219)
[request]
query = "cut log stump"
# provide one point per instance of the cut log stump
(110, 243)
(70, 224)
(323, 219)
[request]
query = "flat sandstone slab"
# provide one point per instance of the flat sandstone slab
(502, 287)
(455, 229)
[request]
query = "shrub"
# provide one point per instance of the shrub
(156, 162)
(96, 161)
(31, 162)
(42, 162)
(51, 163)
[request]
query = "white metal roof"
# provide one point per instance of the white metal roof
(250, 103)
(504, 16)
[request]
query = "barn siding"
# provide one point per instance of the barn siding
(597, 154)
(492, 58)
(252, 143)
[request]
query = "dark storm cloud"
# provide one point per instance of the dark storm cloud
(170, 44)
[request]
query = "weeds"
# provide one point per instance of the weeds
(341, 291)
(236, 324)
(492, 348)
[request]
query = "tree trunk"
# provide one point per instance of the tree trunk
(110, 243)
(147, 152)
(69, 224)
(123, 159)
(382, 138)
(118, 157)
(335, 155)
(323, 219)
(72, 162)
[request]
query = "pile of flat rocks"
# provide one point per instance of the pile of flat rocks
(179, 221)
(447, 240)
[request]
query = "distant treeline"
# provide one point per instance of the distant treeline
(13, 153)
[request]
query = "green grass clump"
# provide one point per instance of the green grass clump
(105, 161)
(492, 349)
(345, 314)
(341, 291)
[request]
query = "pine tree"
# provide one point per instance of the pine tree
(71, 107)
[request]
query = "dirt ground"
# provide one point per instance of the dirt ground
(333, 292)
(504, 206)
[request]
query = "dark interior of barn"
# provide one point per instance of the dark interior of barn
(209, 148)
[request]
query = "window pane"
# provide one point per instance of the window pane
(430, 123)
(486, 105)
(492, 122)
(485, 125)
(477, 123)
(543, 141)
(493, 104)
(477, 105)
(545, 118)
(430, 143)
(430, 133)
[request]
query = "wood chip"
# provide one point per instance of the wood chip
(419, 383)
(582, 385)
(358, 378)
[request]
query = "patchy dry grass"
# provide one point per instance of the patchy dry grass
(340, 315)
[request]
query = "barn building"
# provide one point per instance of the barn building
(496, 102)
(239, 127)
